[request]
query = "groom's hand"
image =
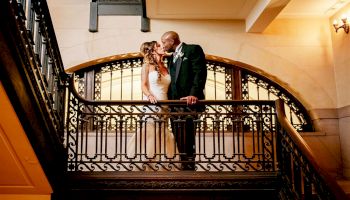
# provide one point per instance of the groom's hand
(191, 100)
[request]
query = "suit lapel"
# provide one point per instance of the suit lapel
(177, 64)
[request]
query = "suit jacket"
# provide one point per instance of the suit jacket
(188, 73)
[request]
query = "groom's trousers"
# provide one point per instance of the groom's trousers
(184, 129)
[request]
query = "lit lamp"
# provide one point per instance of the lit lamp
(345, 24)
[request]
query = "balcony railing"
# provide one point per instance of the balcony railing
(136, 135)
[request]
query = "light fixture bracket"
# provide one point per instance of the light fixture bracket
(345, 25)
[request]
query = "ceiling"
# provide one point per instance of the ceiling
(312, 8)
(258, 14)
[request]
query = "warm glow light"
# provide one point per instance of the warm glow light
(343, 17)
(335, 22)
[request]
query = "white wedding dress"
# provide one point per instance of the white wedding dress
(153, 147)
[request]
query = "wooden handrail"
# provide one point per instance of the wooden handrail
(107, 59)
(126, 56)
(307, 152)
(162, 102)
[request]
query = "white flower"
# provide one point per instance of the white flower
(177, 56)
(180, 54)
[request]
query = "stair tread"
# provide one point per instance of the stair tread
(180, 175)
(345, 184)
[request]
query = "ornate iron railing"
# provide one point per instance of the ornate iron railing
(33, 77)
(302, 177)
(118, 78)
(42, 58)
(111, 135)
(268, 90)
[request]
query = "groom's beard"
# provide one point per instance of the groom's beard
(171, 50)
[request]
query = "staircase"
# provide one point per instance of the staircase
(345, 185)
(172, 185)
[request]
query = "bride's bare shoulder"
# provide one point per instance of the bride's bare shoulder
(148, 67)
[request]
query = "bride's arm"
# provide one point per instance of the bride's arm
(145, 83)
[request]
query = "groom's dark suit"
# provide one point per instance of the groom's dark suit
(188, 73)
(188, 77)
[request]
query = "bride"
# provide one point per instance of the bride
(152, 147)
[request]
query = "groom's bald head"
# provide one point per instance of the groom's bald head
(172, 35)
(170, 40)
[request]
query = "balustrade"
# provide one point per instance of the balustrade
(41, 57)
(301, 175)
(229, 135)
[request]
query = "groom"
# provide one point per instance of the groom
(187, 67)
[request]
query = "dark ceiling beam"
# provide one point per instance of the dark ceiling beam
(118, 7)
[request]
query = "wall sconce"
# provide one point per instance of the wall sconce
(345, 24)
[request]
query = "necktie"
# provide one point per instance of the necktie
(175, 56)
